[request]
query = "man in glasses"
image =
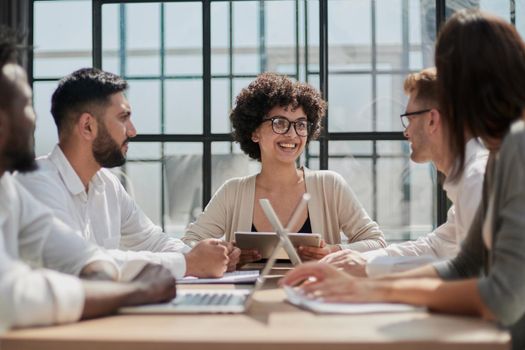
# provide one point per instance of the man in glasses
(93, 118)
(424, 130)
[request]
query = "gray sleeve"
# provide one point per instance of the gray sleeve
(503, 289)
(469, 261)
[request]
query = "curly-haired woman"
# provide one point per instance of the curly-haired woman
(273, 120)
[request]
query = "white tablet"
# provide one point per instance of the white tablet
(265, 242)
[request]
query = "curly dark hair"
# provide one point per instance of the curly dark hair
(267, 91)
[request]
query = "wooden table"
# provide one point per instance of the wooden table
(270, 324)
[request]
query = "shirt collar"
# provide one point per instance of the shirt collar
(68, 174)
(473, 148)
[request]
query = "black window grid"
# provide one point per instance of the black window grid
(207, 137)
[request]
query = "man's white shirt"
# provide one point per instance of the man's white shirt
(465, 194)
(105, 215)
(33, 243)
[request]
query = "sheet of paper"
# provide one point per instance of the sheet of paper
(317, 306)
(245, 276)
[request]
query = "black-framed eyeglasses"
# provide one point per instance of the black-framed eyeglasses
(404, 117)
(281, 125)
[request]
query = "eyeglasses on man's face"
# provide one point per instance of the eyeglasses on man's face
(281, 125)
(405, 120)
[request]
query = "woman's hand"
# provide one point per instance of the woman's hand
(316, 253)
(248, 256)
(325, 282)
(351, 261)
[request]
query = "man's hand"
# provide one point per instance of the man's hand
(351, 261)
(316, 253)
(234, 255)
(154, 284)
(209, 258)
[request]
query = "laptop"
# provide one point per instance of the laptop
(210, 301)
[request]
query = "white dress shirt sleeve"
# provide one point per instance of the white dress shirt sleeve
(469, 198)
(144, 240)
(441, 243)
(36, 297)
(131, 262)
(140, 233)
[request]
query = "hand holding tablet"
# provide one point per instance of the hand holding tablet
(264, 242)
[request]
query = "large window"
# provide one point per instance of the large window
(186, 61)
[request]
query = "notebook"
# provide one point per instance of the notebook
(296, 298)
(241, 276)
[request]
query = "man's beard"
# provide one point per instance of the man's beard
(106, 151)
(20, 159)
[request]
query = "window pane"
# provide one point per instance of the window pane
(183, 106)
(183, 189)
(111, 42)
(349, 35)
(422, 33)
(312, 30)
(396, 192)
(183, 38)
(62, 43)
(391, 102)
(141, 43)
(280, 35)
(405, 34)
(220, 97)
(46, 132)
(144, 98)
(500, 8)
(220, 37)
(310, 158)
(144, 185)
(220, 105)
(350, 99)
(370, 101)
(520, 17)
(229, 161)
(246, 38)
(144, 150)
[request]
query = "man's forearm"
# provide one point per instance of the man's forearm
(99, 271)
(103, 298)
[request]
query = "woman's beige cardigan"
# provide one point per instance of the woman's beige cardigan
(333, 208)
